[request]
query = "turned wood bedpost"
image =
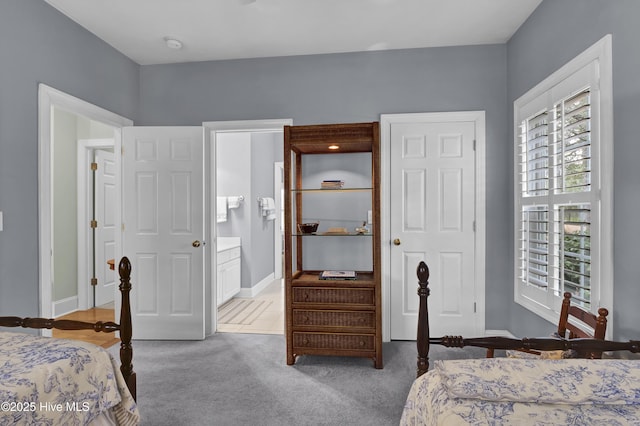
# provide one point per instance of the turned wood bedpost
(423, 319)
(564, 315)
(126, 350)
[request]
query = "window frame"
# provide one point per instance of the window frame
(594, 68)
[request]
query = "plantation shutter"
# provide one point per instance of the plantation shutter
(555, 183)
(563, 186)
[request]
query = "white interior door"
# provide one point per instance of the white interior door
(432, 219)
(105, 196)
(163, 216)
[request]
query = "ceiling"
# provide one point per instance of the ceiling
(233, 29)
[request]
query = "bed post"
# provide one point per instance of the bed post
(423, 319)
(126, 350)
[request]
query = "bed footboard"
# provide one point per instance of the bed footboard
(498, 342)
(124, 327)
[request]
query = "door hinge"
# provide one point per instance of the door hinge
(474, 226)
(474, 307)
(474, 144)
(122, 150)
(94, 281)
(122, 227)
(94, 166)
(94, 224)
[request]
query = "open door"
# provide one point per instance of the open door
(104, 232)
(163, 211)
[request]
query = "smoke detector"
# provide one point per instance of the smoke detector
(173, 43)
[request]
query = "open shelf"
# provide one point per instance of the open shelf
(333, 316)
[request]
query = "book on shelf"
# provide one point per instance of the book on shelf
(338, 275)
(332, 184)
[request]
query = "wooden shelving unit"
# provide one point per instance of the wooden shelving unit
(331, 316)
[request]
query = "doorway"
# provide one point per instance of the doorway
(433, 189)
(246, 168)
(96, 227)
(59, 241)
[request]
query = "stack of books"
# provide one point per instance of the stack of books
(332, 184)
(338, 275)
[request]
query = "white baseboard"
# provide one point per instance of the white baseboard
(65, 306)
(258, 288)
(500, 333)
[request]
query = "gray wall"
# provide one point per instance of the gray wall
(266, 149)
(65, 207)
(590, 21)
(356, 87)
(39, 45)
(233, 167)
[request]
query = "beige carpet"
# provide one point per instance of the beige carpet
(241, 311)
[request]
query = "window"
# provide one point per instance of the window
(563, 191)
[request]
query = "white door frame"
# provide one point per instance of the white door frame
(48, 98)
(386, 120)
(86, 147)
(278, 184)
(212, 129)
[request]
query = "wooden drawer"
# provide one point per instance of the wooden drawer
(334, 341)
(347, 296)
(334, 318)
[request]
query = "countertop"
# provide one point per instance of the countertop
(227, 243)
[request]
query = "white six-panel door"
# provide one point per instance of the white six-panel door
(163, 218)
(105, 196)
(432, 219)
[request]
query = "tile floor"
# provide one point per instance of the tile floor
(271, 321)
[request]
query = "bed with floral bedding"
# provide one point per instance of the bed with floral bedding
(501, 391)
(51, 381)
(521, 391)
(47, 381)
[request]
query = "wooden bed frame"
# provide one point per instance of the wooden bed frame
(491, 342)
(125, 329)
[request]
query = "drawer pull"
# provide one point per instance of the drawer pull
(362, 343)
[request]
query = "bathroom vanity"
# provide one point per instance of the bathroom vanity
(229, 267)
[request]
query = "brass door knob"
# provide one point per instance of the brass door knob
(396, 242)
(196, 243)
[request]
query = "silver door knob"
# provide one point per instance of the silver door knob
(396, 242)
(197, 243)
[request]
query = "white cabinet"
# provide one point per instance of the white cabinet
(228, 274)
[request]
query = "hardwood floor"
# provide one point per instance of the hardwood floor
(270, 321)
(105, 340)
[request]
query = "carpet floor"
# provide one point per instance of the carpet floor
(243, 379)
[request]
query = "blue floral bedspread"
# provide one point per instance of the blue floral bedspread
(504, 391)
(46, 381)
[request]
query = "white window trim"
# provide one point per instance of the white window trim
(600, 54)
